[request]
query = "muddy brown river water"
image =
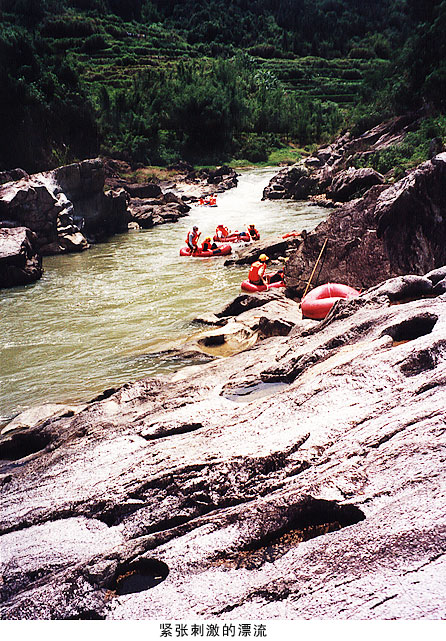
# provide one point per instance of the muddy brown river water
(102, 317)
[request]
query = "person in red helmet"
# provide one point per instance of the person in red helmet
(257, 272)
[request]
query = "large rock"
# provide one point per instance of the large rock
(20, 261)
(301, 479)
(329, 170)
(75, 191)
(293, 182)
(351, 182)
(246, 320)
(391, 231)
(167, 208)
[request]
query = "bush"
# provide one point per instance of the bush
(68, 28)
(94, 43)
(254, 148)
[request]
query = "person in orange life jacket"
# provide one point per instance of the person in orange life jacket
(253, 232)
(192, 239)
(257, 272)
(221, 232)
(212, 200)
(207, 245)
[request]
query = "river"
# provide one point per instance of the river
(100, 318)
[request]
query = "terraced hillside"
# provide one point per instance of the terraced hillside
(155, 80)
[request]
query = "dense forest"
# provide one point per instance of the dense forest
(155, 81)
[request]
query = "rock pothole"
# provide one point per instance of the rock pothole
(316, 518)
(138, 576)
(22, 443)
(412, 328)
(248, 393)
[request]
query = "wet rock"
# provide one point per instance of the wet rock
(20, 261)
(302, 478)
(246, 320)
(167, 208)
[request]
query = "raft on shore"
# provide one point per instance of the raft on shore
(321, 299)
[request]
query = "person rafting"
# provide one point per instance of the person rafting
(257, 271)
(252, 231)
(208, 245)
(221, 232)
(212, 201)
(192, 239)
(279, 275)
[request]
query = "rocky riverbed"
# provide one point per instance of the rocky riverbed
(303, 478)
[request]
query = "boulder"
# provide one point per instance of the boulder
(143, 190)
(295, 182)
(301, 479)
(38, 201)
(36, 415)
(392, 230)
(20, 261)
(351, 182)
(247, 319)
(165, 209)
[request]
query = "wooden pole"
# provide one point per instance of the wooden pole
(314, 269)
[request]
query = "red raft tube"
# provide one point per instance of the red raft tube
(250, 287)
(224, 250)
(321, 299)
(235, 237)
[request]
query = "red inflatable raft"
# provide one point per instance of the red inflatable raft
(224, 250)
(250, 287)
(236, 237)
(321, 299)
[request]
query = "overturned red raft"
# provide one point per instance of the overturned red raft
(250, 287)
(321, 299)
(223, 250)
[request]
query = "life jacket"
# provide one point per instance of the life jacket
(206, 246)
(193, 240)
(257, 271)
(254, 233)
(223, 231)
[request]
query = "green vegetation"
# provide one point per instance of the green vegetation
(415, 149)
(153, 81)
